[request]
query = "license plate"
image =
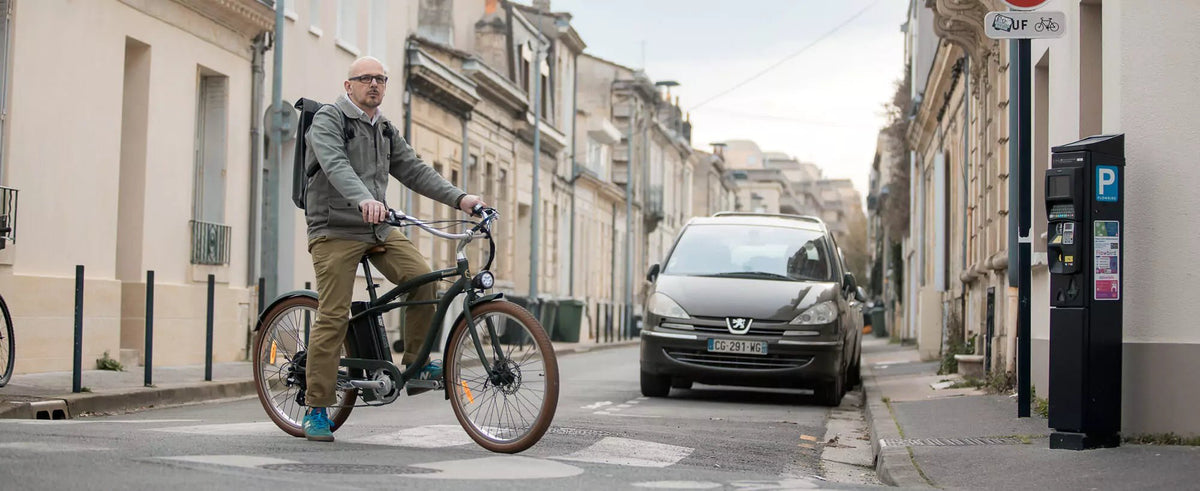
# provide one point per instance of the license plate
(737, 346)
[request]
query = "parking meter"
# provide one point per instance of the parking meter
(1084, 237)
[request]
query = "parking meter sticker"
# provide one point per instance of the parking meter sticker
(1106, 247)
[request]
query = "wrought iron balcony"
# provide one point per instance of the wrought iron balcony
(210, 243)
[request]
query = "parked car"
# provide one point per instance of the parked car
(755, 300)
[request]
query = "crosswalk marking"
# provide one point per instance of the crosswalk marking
(495, 468)
(432, 436)
(48, 447)
(243, 461)
(624, 451)
(230, 429)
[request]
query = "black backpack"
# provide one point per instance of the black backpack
(301, 174)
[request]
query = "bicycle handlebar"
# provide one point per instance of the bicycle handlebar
(483, 227)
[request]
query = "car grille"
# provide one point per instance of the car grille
(743, 362)
(754, 331)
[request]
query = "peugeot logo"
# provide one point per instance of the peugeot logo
(738, 325)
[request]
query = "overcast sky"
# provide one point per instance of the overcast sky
(823, 105)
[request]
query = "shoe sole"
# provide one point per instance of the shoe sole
(315, 438)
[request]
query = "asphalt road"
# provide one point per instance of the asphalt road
(605, 436)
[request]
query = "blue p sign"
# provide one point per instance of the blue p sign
(1106, 183)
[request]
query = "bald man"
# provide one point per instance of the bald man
(357, 148)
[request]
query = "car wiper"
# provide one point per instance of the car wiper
(750, 274)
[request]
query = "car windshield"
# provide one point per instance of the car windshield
(751, 251)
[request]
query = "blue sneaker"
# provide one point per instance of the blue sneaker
(432, 371)
(317, 425)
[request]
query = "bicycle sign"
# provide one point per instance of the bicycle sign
(1025, 25)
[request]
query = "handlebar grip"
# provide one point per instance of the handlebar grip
(477, 210)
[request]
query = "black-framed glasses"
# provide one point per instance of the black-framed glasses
(366, 79)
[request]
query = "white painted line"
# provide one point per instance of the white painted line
(681, 485)
(635, 401)
(624, 451)
(231, 429)
(243, 461)
(433, 436)
(597, 405)
(625, 406)
(627, 415)
(51, 422)
(48, 447)
(506, 467)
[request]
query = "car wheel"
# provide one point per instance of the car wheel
(681, 384)
(655, 385)
(830, 393)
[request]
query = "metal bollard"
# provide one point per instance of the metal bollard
(262, 295)
(148, 378)
(307, 315)
(208, 336)
(77, 376)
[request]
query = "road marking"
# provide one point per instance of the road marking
(243, 461)
(677, 484)
(624, 451)
(231, 429)
(624, 406)
(597, 405)
(507, 467)
(432, 436)
(48, 447)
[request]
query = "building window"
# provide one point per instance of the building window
(525, 64)
(314, 17)
(210, 238)
(597, 158)
(347, 26)
(377, 30)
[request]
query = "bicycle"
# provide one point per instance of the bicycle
(1046, 23)
(498, 360)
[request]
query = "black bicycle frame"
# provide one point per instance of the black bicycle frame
(385, 303)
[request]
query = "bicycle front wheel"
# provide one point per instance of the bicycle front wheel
(8, 345)
(509, 410)
(276, 345)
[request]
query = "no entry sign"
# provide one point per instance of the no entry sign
(1025, 4)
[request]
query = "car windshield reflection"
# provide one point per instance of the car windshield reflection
(755, 252)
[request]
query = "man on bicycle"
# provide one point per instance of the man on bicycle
(356, 148)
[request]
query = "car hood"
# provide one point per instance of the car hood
(738, 297)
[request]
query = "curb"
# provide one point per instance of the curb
(120, 401)
(127, 400)
(893, 465)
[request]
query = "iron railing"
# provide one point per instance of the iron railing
(210, 243)
(8, 216)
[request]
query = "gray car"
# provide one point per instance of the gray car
(752, 300)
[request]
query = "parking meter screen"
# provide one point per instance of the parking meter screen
(1058, 187)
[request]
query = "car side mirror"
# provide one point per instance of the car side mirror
(860, 294)
(653, 273)
(848, 283)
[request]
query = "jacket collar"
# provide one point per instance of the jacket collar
(351, 110)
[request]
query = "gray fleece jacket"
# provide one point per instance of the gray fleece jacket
(358, 169)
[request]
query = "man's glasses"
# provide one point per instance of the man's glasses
(366, 79)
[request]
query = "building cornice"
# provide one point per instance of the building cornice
(960, 22)
(246, 17)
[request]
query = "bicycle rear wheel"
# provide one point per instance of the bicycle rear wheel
(276, 344)
(8, 345)
(511, 410)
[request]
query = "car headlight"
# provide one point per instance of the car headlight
(662, 306)
(822, 313)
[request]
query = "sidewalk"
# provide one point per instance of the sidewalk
(48, 395)
(967, 439)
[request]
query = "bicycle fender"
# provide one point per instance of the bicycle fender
(292, 294)
(478, 301)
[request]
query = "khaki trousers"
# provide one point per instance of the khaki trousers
(336, 264)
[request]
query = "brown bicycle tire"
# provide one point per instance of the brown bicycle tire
(550, 401)
(339, 416)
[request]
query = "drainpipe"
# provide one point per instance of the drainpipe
(535, 208)
(270, 232)
(574, 172)
(257, 79)
(966, 172)
(466, 159)
(408, 121)
(633, 113)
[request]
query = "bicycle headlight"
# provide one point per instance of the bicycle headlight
(662, 305)
(484, 280)
(822, 313)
